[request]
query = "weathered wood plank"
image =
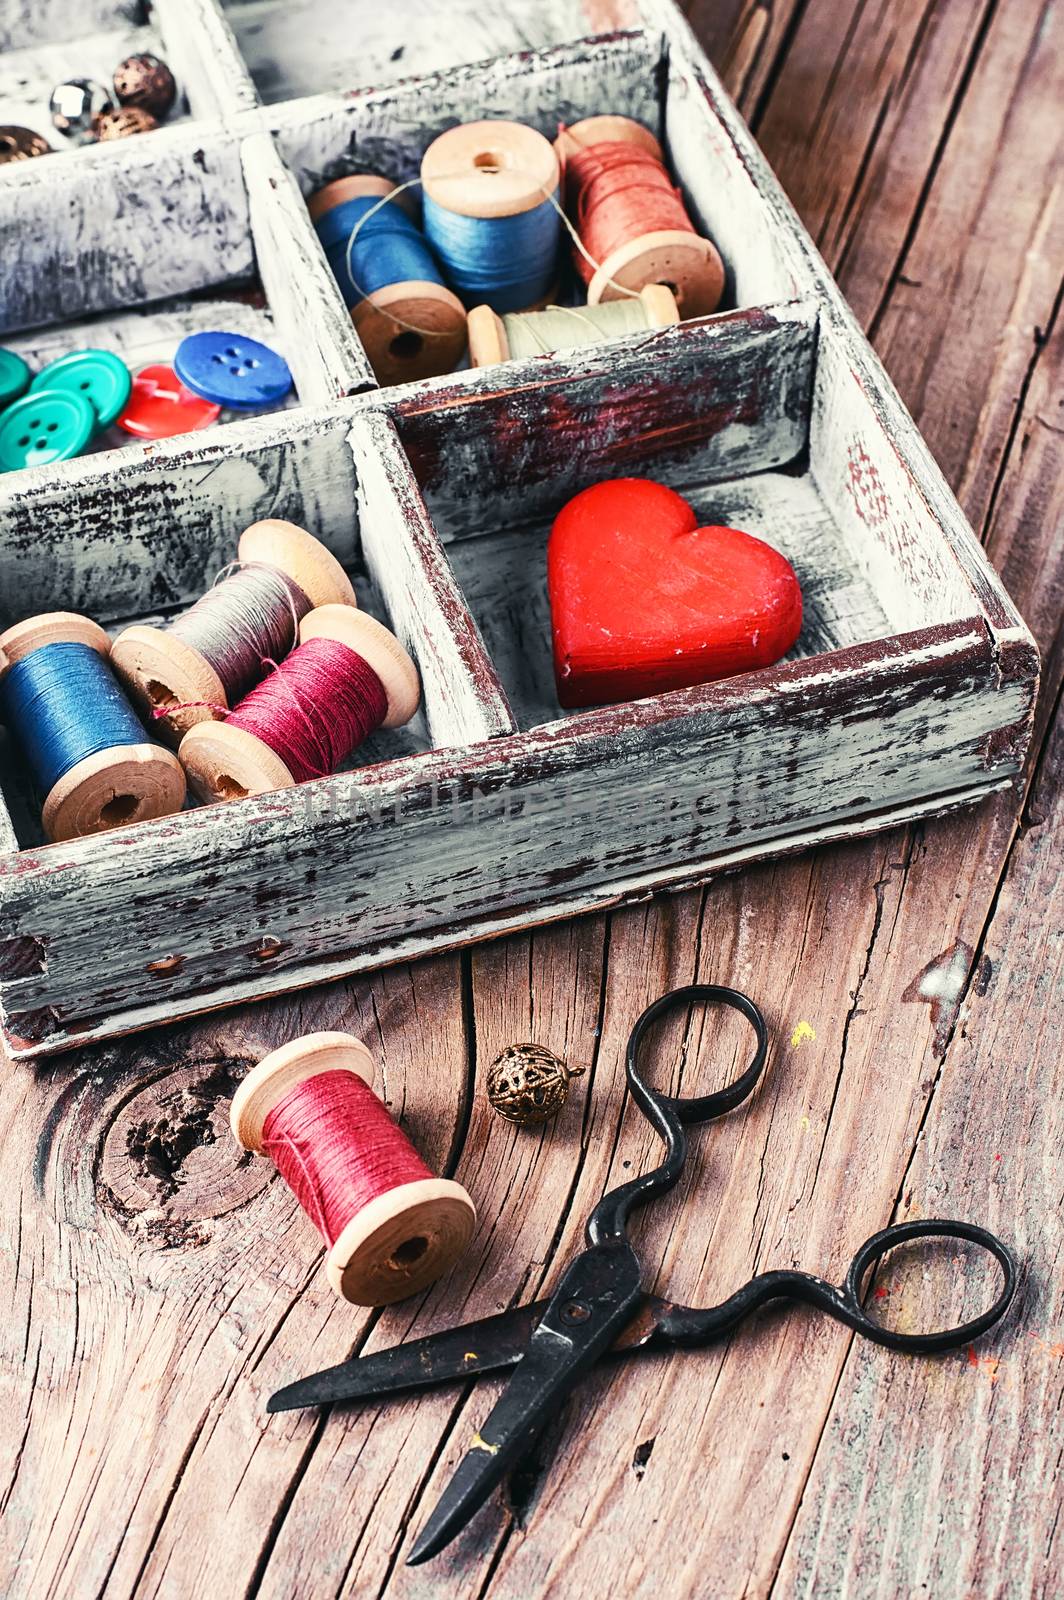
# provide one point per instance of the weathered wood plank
(293, 49)
(947, 1479)
(995, 198)
(160, 215)
(722, 398)
(493, 828)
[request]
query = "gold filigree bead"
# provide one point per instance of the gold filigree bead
(528, 1084)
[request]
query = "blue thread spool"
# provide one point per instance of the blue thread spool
(491, 213)
(86, 750)
(409, 322)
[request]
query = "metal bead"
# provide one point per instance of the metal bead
(19, 144)
(527, 1083)
(122, 123)
(147, 82)
(75, 105)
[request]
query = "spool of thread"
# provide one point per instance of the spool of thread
(86, 749)
(533, 333)
(207, 660)
(409, 322)
(487, 191)
(349, 677)
(631, 219)
(390, 1225)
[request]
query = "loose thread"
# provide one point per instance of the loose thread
(337, 1149)
(314, 708)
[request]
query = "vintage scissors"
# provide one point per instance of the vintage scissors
(599, 1307)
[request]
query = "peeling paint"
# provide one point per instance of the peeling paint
(941, 984)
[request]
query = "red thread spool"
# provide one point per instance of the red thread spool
(390, 1225)
(631, 219)
(348, 677)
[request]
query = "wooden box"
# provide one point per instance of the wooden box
(911, 689)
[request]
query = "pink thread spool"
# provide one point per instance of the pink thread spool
(390, 1225)
(265, 745)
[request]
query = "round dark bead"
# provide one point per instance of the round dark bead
(147, 82)
(19, 144)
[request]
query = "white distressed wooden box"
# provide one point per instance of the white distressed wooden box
(911, 689)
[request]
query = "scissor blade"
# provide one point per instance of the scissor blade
(491, 1345)
(590, 1307)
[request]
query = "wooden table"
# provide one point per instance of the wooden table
(157, 1285)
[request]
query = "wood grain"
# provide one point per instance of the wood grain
(139, 1353)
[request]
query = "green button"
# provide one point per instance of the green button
(97, 375)
(14, 376)
(50, 426)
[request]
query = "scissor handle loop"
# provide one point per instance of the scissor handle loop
(874, 1249)
(668, 1114)
(698, 1108)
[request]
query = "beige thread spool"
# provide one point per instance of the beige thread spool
(415, 329)
(223, 762)
(161, 671)
(491, 336)
(130, 783)
(686, 264)
(402, 1240)
(492, 169)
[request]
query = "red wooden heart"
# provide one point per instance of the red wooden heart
(643, 600)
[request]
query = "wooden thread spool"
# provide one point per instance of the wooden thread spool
(406, 1236)
(167, 674)
(685, 263)
(225, 762)
(493, 338)
(131, 781)
(489, 211)
(410, 328)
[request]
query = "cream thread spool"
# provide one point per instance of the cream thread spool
(223, 762)
(409, 329)
(403, 1239)
(688, 265)
(128, 783)
(495, 173)
(492, 338)
(166, 674)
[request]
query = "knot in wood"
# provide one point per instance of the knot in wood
(527, 1083)
(169, 1165)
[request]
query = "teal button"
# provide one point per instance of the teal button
(50, 426)
(97, 375)
(14, 376)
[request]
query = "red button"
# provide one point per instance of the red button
(160, 406)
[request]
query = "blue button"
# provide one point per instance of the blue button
(232, 371)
